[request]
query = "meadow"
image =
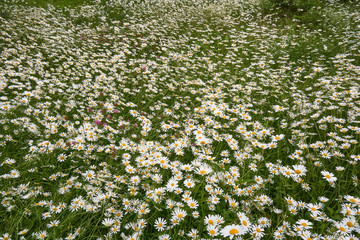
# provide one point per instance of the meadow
(164, 119)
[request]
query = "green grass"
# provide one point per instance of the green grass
(55, 3)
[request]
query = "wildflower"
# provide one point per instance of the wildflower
(347, 210)
(317, 69)
(41, 235)
(165, 237)
(299, 170)
(192, 203)
(253, 167)
(204, 170)
(342, 227)
(353, 200)
(304, 224)
(350, 222)
(108, 222)
(355, 180)
(257, 232)
(160, 224)
(14, 173)
(195, 214)
(210, 220)
(329, 176)
(265, 222)
(172, 185)
(54, 223)
(189, 183)
(314, 209)
(5, 236)
(339, 168)
(325, 154)
(232, 231)
(24, 231)
(244, 220)
(212, 230)
(179, 214)
(61, 157)
(46, 215)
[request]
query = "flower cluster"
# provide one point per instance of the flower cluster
(187, 119)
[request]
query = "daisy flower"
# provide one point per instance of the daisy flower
(165, 237)
(210, 220)
(204, 170)
(192, 203)
(160, 224)
(304, 224)
(328, 176)
(257, 232)
(179, 213)
(212, 230)
(300, 170)
(42, 235)
(233, 230)
(108, 222)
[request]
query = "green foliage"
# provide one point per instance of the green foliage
(56, 3)
(304, 10)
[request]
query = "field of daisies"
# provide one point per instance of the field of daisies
(166, 119)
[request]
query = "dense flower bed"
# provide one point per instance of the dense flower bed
(186, 120)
